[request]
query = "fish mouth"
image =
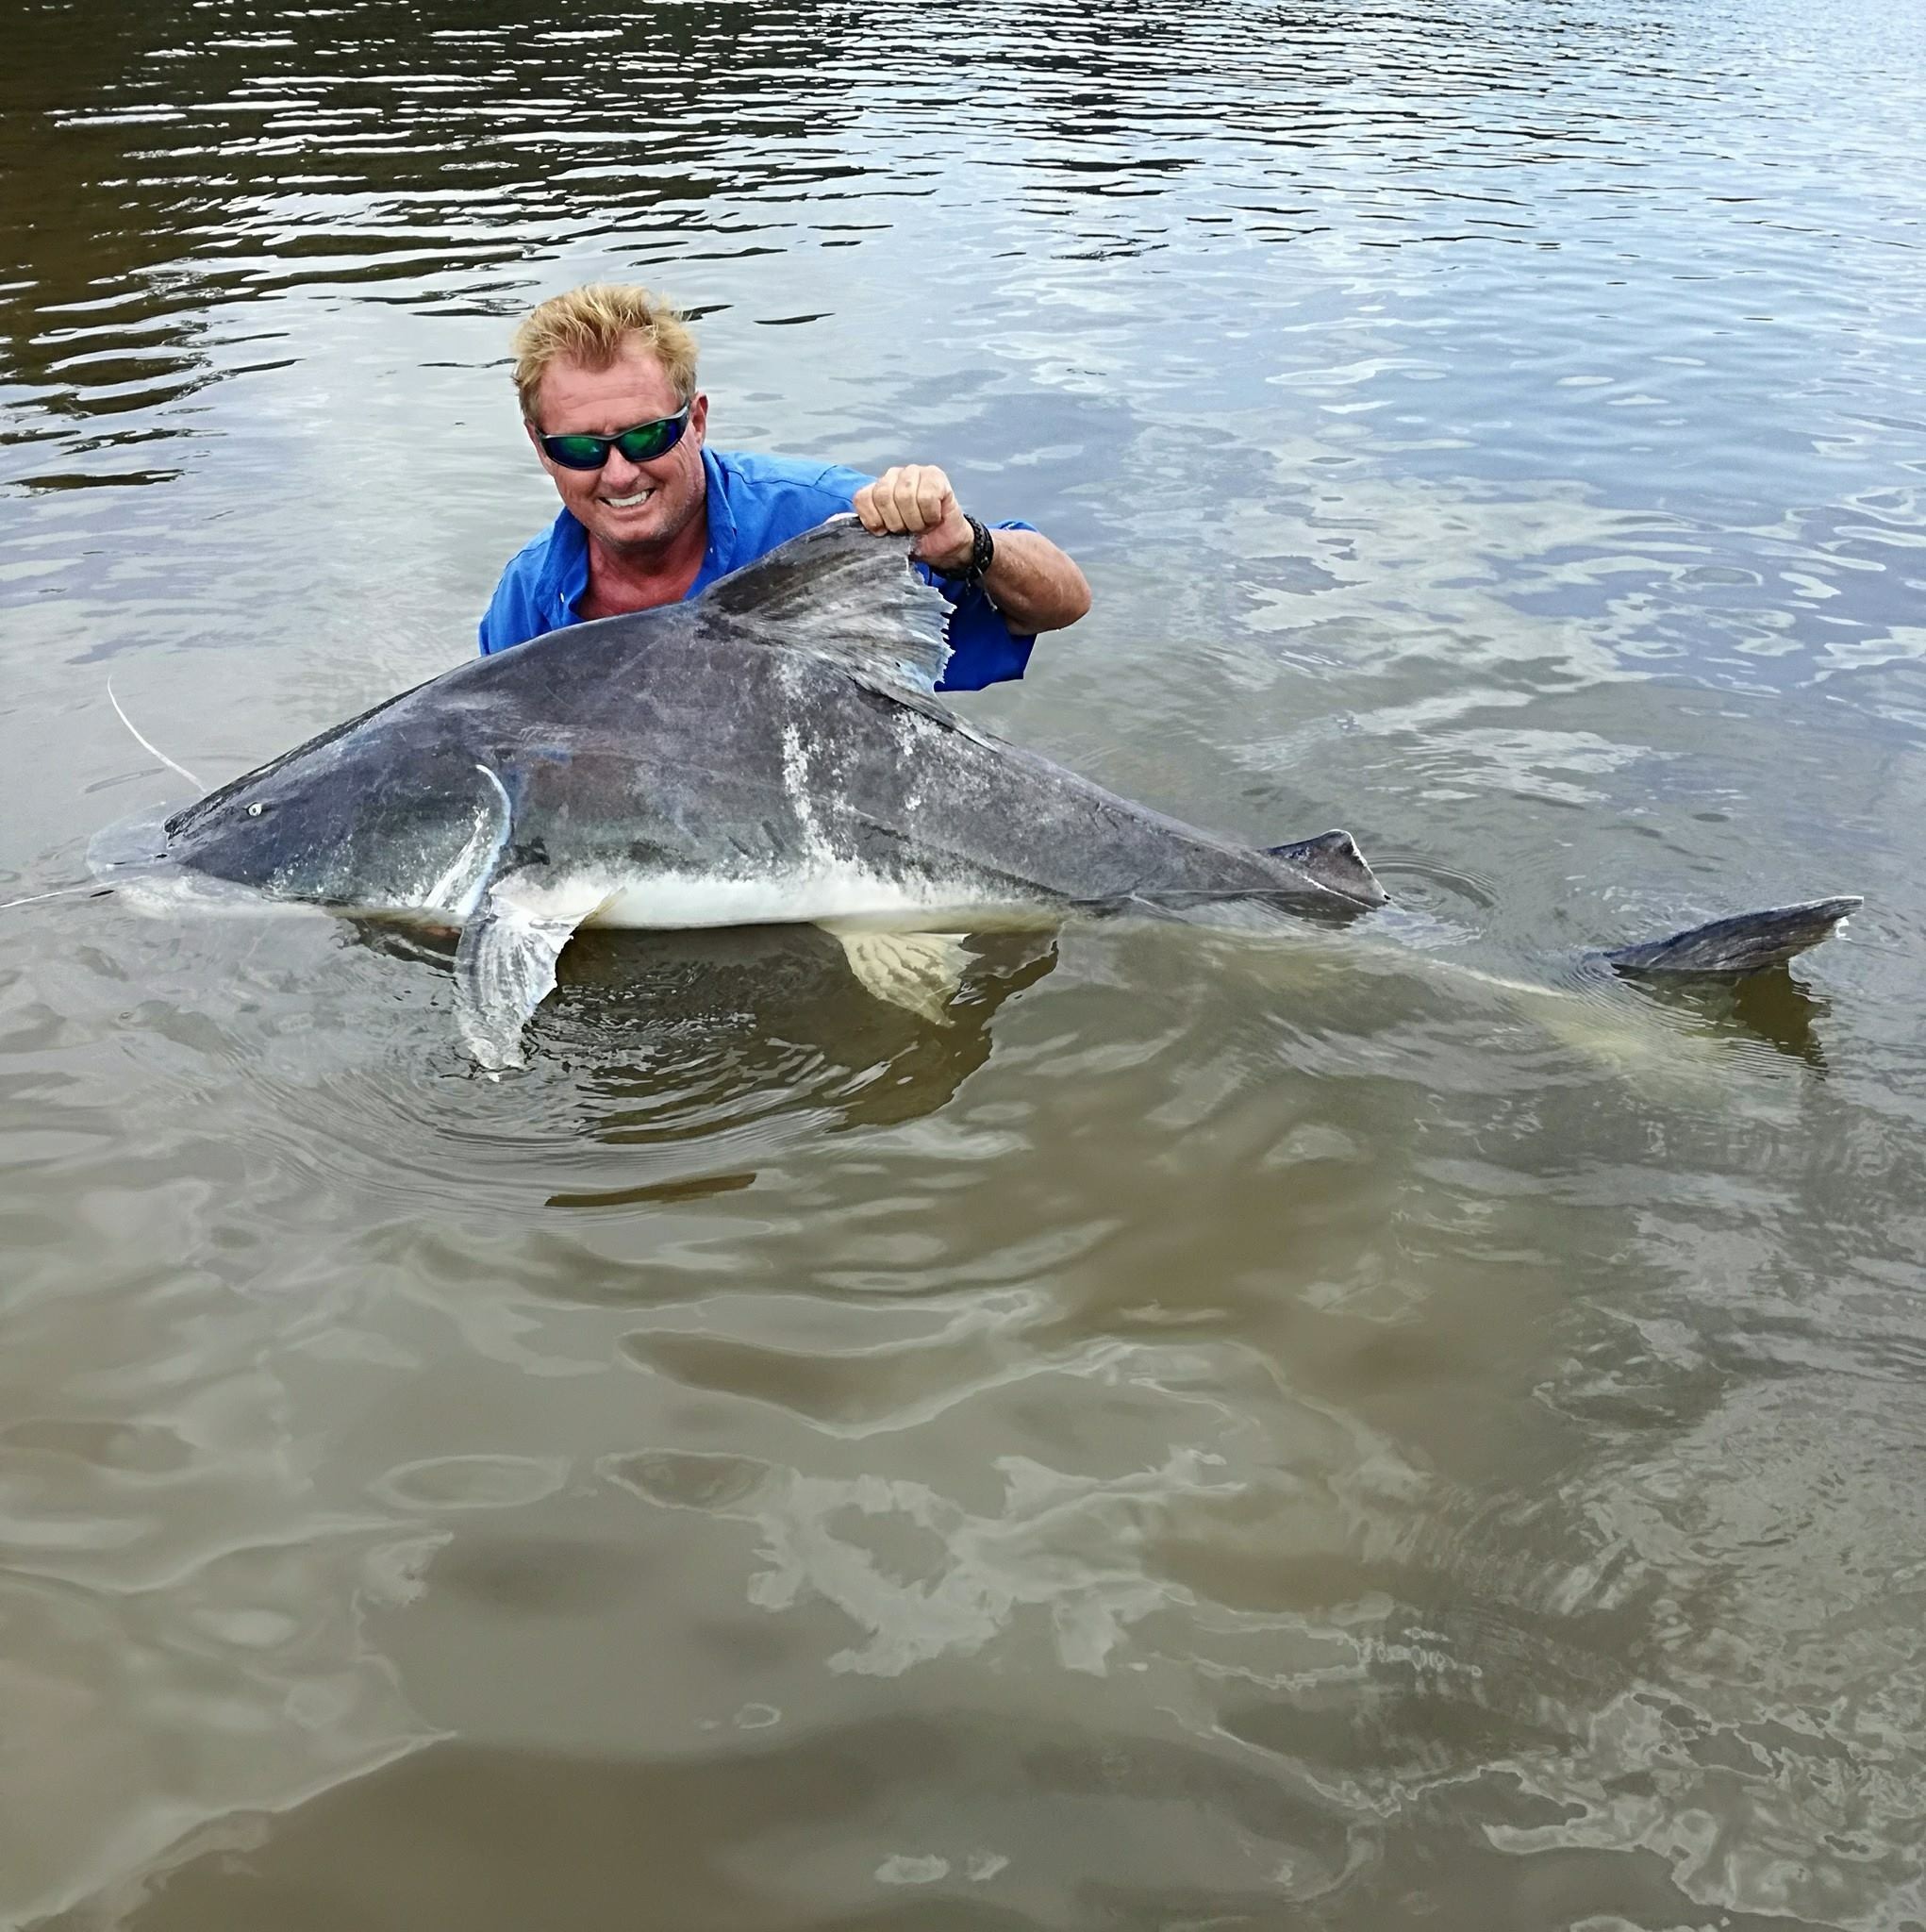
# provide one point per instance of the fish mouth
(132, 859)
(129, 845)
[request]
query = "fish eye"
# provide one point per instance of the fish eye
(255, 810)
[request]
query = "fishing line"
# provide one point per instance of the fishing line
(146, 745)
(59, 892)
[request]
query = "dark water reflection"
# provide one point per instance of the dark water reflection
(1227, 1432)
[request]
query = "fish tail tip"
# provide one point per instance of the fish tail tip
(1747, 942)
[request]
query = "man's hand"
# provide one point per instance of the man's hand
(916, 500)
(1033, 585)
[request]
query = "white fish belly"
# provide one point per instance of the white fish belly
(828, 894)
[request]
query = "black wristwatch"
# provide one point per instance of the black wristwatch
(982, 554)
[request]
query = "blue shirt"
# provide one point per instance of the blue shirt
(754, 503)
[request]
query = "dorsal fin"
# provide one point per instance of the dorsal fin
(1334, 861)
(847, 596)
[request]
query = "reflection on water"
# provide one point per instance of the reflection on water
(675, 1036)
(1357, 1428)
(669, 1035)
(1772, 1008)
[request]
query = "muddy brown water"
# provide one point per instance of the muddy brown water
(1220, 1435)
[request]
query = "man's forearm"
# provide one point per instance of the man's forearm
(1033, 584)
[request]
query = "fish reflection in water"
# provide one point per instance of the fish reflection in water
(670, 1035)
(1773, 1008)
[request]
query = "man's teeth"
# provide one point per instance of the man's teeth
(629, 502)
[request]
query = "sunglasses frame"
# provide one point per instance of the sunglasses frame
(679, 422)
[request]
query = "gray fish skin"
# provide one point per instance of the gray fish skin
(768, 752)
(692, 742)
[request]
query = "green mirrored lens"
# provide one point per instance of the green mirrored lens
(646, 442)
(579, 452)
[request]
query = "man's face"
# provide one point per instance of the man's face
(628, 507)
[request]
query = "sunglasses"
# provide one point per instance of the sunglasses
(641, 444)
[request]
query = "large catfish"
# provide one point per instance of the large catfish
(770, 751)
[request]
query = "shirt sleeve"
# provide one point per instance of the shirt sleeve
(489, 633)
(511, 617)
(983, 648)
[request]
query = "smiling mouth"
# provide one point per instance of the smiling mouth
(639, 498)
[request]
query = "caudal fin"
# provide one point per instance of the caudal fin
(1334, 861)
(1748, 943)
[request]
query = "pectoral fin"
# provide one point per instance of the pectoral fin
(918, 971)
(505, 966)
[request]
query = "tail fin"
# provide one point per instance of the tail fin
(1748, 943)
(1334, 861)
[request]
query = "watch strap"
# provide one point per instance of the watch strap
(982, 551)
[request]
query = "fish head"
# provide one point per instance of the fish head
(366, 824)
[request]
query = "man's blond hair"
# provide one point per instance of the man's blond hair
(591, 325)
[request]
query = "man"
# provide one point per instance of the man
(650, 514)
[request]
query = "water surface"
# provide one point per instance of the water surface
(1218, 1436)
